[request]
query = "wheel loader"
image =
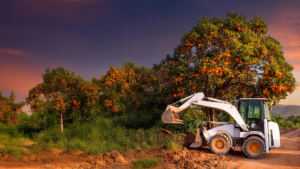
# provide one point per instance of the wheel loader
(252, 131)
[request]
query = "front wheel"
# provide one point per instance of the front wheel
(254, 147)
(219, 144)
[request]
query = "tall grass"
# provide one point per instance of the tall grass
(101, 135)
(12, 141)
(94, 136)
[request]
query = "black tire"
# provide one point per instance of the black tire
(254, 147)
(219, 144)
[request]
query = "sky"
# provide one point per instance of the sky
(86, 36)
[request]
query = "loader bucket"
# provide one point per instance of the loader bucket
(200, 139)
(170, 116)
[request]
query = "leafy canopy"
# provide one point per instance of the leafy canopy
(228, 58)
(64, 92)
(123, 90)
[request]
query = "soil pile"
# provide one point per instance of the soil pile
(189, 139)
(105, 159)
(184, 158)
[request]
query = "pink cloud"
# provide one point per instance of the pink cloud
(11, 51)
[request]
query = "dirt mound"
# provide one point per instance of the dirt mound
(184, 158)
(106, 159)
(189, 139)
(165, 132)
(57, 158)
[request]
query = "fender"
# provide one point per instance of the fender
(247, 134)
(228, 135)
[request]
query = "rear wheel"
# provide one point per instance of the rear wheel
(219, 144)
(254, 147)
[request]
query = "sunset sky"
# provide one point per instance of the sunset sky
(85, 36)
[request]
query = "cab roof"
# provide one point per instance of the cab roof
(254, 99)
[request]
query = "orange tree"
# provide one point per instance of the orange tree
(8, 109)
(228, 58)
(66, 93)
(126, 89)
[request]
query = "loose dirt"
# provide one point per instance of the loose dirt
(184, 158)
(287, 156)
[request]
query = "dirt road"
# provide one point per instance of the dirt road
(287, 156)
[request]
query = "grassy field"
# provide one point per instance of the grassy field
(97, 136)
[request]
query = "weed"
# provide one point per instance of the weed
(147, 163)
(12, 146)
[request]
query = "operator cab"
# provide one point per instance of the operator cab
(254, 111)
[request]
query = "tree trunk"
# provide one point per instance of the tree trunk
(207, 116)
(61, 122)
(212, 117)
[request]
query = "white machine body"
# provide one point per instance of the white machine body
(274, 135)
(255, 121)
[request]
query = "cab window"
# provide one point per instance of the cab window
(243, 109)
(267, 112)
(254, 114)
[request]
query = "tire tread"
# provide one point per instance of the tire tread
(244, 147)
(227, 142)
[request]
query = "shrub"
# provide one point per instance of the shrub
(30, 126)
(9, 129)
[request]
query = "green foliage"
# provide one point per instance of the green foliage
(146, 163)
(173, 142)
(192, 118)
(10, 129)
(11, 141)
(12, 96)
(273, 118)
(102, 135)
(224, 58)
(127, 90)
(290, 122)
(31, 125)
(62, 93)
(292, 118)
(9, 109)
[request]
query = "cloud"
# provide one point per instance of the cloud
(11, 51)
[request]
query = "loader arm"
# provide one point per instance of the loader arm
(170, 116)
